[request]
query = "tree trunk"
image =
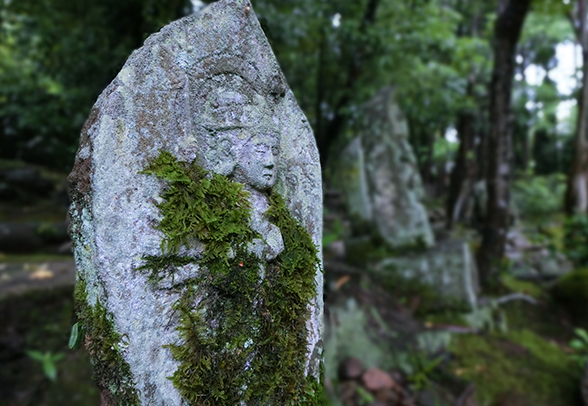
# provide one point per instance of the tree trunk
(507, 30)
(576, 198)
(428, 167)
(464, 172)
(327, 133)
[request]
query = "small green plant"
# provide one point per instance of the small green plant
(424, 369)
(76, 336)
(48, 361)
(580, 346)
(365, 398)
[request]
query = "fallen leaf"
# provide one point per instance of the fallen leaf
(342, 281)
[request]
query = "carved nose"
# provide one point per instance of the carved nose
(268, 161)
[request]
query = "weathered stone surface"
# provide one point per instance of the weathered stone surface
(380, 179)
(449, 268)
(205, 89)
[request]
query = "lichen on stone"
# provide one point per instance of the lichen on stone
(243, 337)
(111, 372)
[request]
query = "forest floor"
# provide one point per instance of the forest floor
(394, 342)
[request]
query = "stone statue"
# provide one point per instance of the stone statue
(196, 218)
(248, 154)
(379, 177)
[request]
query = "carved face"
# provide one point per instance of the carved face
(256, 162)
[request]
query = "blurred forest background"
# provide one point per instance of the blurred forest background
(487, 305)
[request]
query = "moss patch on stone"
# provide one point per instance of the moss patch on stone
(515, 285)
(111, 372)
(243, 338)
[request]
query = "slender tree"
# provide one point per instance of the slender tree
(576, 198)
(507, 30)
(464, 172)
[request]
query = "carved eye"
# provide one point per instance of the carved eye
(275, 150)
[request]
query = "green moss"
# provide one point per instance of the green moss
(519, 365)
(518, 286)
(242, 338)
(111, 371)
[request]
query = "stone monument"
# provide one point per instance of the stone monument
(380, 179)
(196, 218)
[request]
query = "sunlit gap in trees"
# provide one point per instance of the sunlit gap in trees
(566, 75)
(336, 21)
(197, 5)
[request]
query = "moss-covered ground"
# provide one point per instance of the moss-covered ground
(528, 364)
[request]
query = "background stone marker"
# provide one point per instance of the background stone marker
(380, 179)
(200, 116)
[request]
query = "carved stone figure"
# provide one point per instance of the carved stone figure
(196, 218)
(379, 176)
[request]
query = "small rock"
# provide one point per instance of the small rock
(351, 368)
(336, 249)
(375, 379)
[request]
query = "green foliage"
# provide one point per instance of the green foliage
(420, 47)
(580, 346)
(111, 371)
(56, 56)
(365, 398)
(76, 336)
(517, 286)
(48, 361)
(335, 232)
(242, 337)
(424, 369)
(538, 195)
(576, 239)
